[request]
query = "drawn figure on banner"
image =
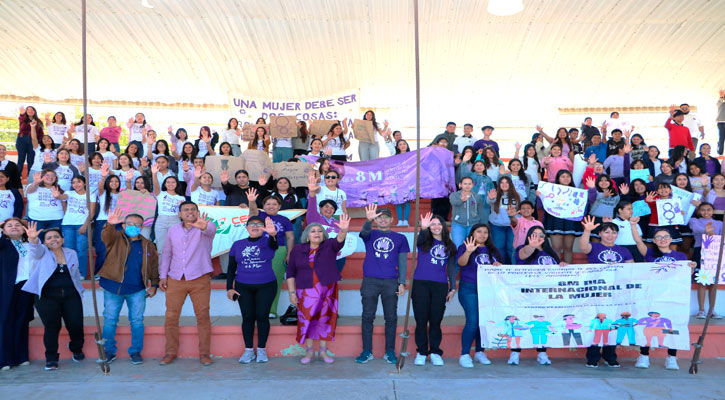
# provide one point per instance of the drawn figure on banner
(383, 245)
(656, 327)
(540, 329)
(438, 254)
(625, 327)
(512, 330)
(601, 325)
(570, 327)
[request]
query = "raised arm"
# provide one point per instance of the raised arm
(589, 225)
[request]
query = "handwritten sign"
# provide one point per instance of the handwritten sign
(216, 164)
(296, 172)
(580, 166)
(256, 162)
(249, 129)
(642, 174)
(685, 199)
(708, 262)
(281, 126)
(669, 212)
(320, 127)
(363, 131)
(640, 208)
(135, 202)
(563, 201)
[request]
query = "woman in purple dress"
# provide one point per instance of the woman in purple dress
(312, 277)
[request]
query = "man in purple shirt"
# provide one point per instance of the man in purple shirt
(186, 270)
(486, 141)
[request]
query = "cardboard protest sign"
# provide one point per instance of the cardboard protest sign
(283, 126)
(669, 212)
(563, 201)
(216, 164)
(249, 129)
(363, 131)
(709, 257)
(296, 172)
(320, 127)
(256, 162)
(135, 202)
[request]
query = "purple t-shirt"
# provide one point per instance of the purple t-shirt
(432, 264)
(254, 260)
(481, 256)
(602, 254)
(710, 167)
(543, 258)
(667, 257)
(381, 254)
(281, 223)
(483, 143)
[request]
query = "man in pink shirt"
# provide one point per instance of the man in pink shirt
(186, 270)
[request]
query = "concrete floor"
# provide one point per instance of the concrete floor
(285, 377)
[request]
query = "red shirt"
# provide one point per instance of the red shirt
(25, 128)
(679, 135)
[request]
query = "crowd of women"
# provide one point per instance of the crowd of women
(495, 218)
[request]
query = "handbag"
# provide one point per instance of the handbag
(290, 316)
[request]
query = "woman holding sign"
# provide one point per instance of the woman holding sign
(260, 141)
(335, 140)
(371, 151)
(705, 225)
(561, 231)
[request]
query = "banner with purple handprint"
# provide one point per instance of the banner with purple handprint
(708, 261)
(563, 201)
(391, 180)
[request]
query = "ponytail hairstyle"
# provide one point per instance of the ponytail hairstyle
(143, 124)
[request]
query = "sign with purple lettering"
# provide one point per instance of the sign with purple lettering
(135, 202)
(391, 180)
(283, 127)
(563, 201)
(708, 261)
(338, 106)
(669, 212)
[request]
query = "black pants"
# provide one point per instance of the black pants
(720, 140)
(441, 206)
(56, 304)
(339, 158)
(370, 290)
(14, 329)
(644, 350)
(429, 305)
(255, 300)
(596, 353)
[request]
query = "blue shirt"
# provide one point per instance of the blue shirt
(132, 277)
(600, 150)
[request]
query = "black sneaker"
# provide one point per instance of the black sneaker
(613, 364)
(592, 365)
(136, 359)
(110, 357)
(78, 357)
(51, 365)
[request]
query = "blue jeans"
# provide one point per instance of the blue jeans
(468, 296)
(112, 303)
(403, 211)
(53, 223)
(503, 239)
(459, 233)
(282, 154)
(368, 151)
(24, 145)
(79, 243)
(140, 147)
(99, 245)
(116, 146)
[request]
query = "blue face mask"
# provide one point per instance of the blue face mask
(132, 231)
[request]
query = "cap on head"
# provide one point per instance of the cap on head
(677, 113)
(487, 127)
(385, 211)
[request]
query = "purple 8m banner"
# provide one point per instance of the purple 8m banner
(391, 180)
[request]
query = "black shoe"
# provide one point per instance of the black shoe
(51, 365)
(78, 357)
(110, 357)
(220, 276)
(592, 364)
(613, 364)
(136, 359)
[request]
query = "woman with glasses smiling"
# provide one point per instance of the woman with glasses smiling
(330, 191)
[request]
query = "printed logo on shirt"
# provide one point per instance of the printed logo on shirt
(483, 259)
(547, 260)
(383, 245)
(665, 259)
(438, 254)
(250, 254)
(610, 257)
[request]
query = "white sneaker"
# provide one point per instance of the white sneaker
(262, 355)
(247, 357)
(466, 361)
(481, 358)
(543, 359)
(716, 316)
(436, 360)
(642, 362)
(514, 358)
(420, 359)
(700, 315)
(671, 363)
(405, 223)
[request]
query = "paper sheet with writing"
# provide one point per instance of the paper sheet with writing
(563, 201)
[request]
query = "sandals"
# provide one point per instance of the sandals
(326, 357)
(308, 356)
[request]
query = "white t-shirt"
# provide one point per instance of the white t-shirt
(693, 123)
(284, 143)
(338, 196)
(92, 133)
(57, 132)
(24, 261)
(94, 176)
(76, 211)
(625, 238)
(7, 205)
(109, 157)
(40, 158)
(122, 175)
(521, 186)
(65, 177)
(162, 176)
(136, 132)
(202, 197)
(230, 136)
(76, 159)
(532, 170)
(102, 214)
(463, 141)
(42, 206)
(168, 204)
(336, 145)
(203, 150)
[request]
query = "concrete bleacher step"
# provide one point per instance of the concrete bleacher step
(227, 339)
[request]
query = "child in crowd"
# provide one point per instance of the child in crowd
(664, 191)
(522, 182)
(461, 142)
(531, 164)
(556, 162)
(486, 141)
(639, 147)
(522, 221)
(699, 180)
(597, 148)
(710, 165)
(602, 198)
(614, 141)
(467, 210)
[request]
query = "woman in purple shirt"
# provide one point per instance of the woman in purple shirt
(251, 282)
(434, 284)
(312, 284)
(478, 249)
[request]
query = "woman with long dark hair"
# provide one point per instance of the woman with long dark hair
(301, 143)
(260, 141)
(11, 201)
(79, 134)
(30, 124)
(501, 199)
(371, 151)
(11, 169)
(137, 130)
(232, 134)
(335, 140)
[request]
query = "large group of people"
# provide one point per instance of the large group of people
(495, 217)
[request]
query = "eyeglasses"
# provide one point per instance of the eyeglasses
(663, 237)
(540, 235)
(255, 224)
(330, 177)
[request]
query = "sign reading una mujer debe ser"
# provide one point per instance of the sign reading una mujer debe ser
(336, 106)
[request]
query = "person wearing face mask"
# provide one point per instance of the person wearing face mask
(130, 281)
